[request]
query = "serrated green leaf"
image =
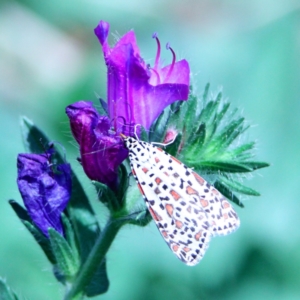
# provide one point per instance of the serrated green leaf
(67, 262)
(227, 193)
(238, 187)
(36, 233)
(5, 291)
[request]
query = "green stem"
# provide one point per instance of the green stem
(94, 259)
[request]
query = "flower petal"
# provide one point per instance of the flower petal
(101, 151)
(136, 94)
(45, 193)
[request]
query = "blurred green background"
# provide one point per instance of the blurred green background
(49, 58)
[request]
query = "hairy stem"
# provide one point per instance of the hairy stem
(94, 259)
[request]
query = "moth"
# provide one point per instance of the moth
(186, 209)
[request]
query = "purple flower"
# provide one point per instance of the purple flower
(101, 151)
(137, 93)
(45, 193)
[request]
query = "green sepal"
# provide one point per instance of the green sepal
(41, 239)
(70, 235)
(79, 211)
(238, 187)
(123, 185)
(225, 191)
(5, 291)
(67, 260)
(107, 196)
(139, 218)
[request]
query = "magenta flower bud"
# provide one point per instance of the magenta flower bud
(101, 151)
(137, 93)
(45, 189)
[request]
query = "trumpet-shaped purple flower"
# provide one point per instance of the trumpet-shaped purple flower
(45, 193)
(137, 93)
(101, 151)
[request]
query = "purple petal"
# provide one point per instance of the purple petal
(180, 74)
(137, 94)
(101, 152)
(45, 193)
(101, 31)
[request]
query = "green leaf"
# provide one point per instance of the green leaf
(190, 115)
(123, 183)
(227, 193)
(33, 138)
(70, 235)
(67, 262)
(140, 218)
(237, 152)
(228, 135)
(237, 187)
(5, 291)
(254, 165)
(144, 134)
(79, 210)
(220, 166)
(87, 230)
(205, 93)
(104, 108)
(221, 114)
(158, 128)
(209, 110)
(42, 240)
(197, 140)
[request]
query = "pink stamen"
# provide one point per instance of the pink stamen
(156, 74)
(154, 36)
(173, 62)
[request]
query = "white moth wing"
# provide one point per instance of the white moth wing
(186, 209)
